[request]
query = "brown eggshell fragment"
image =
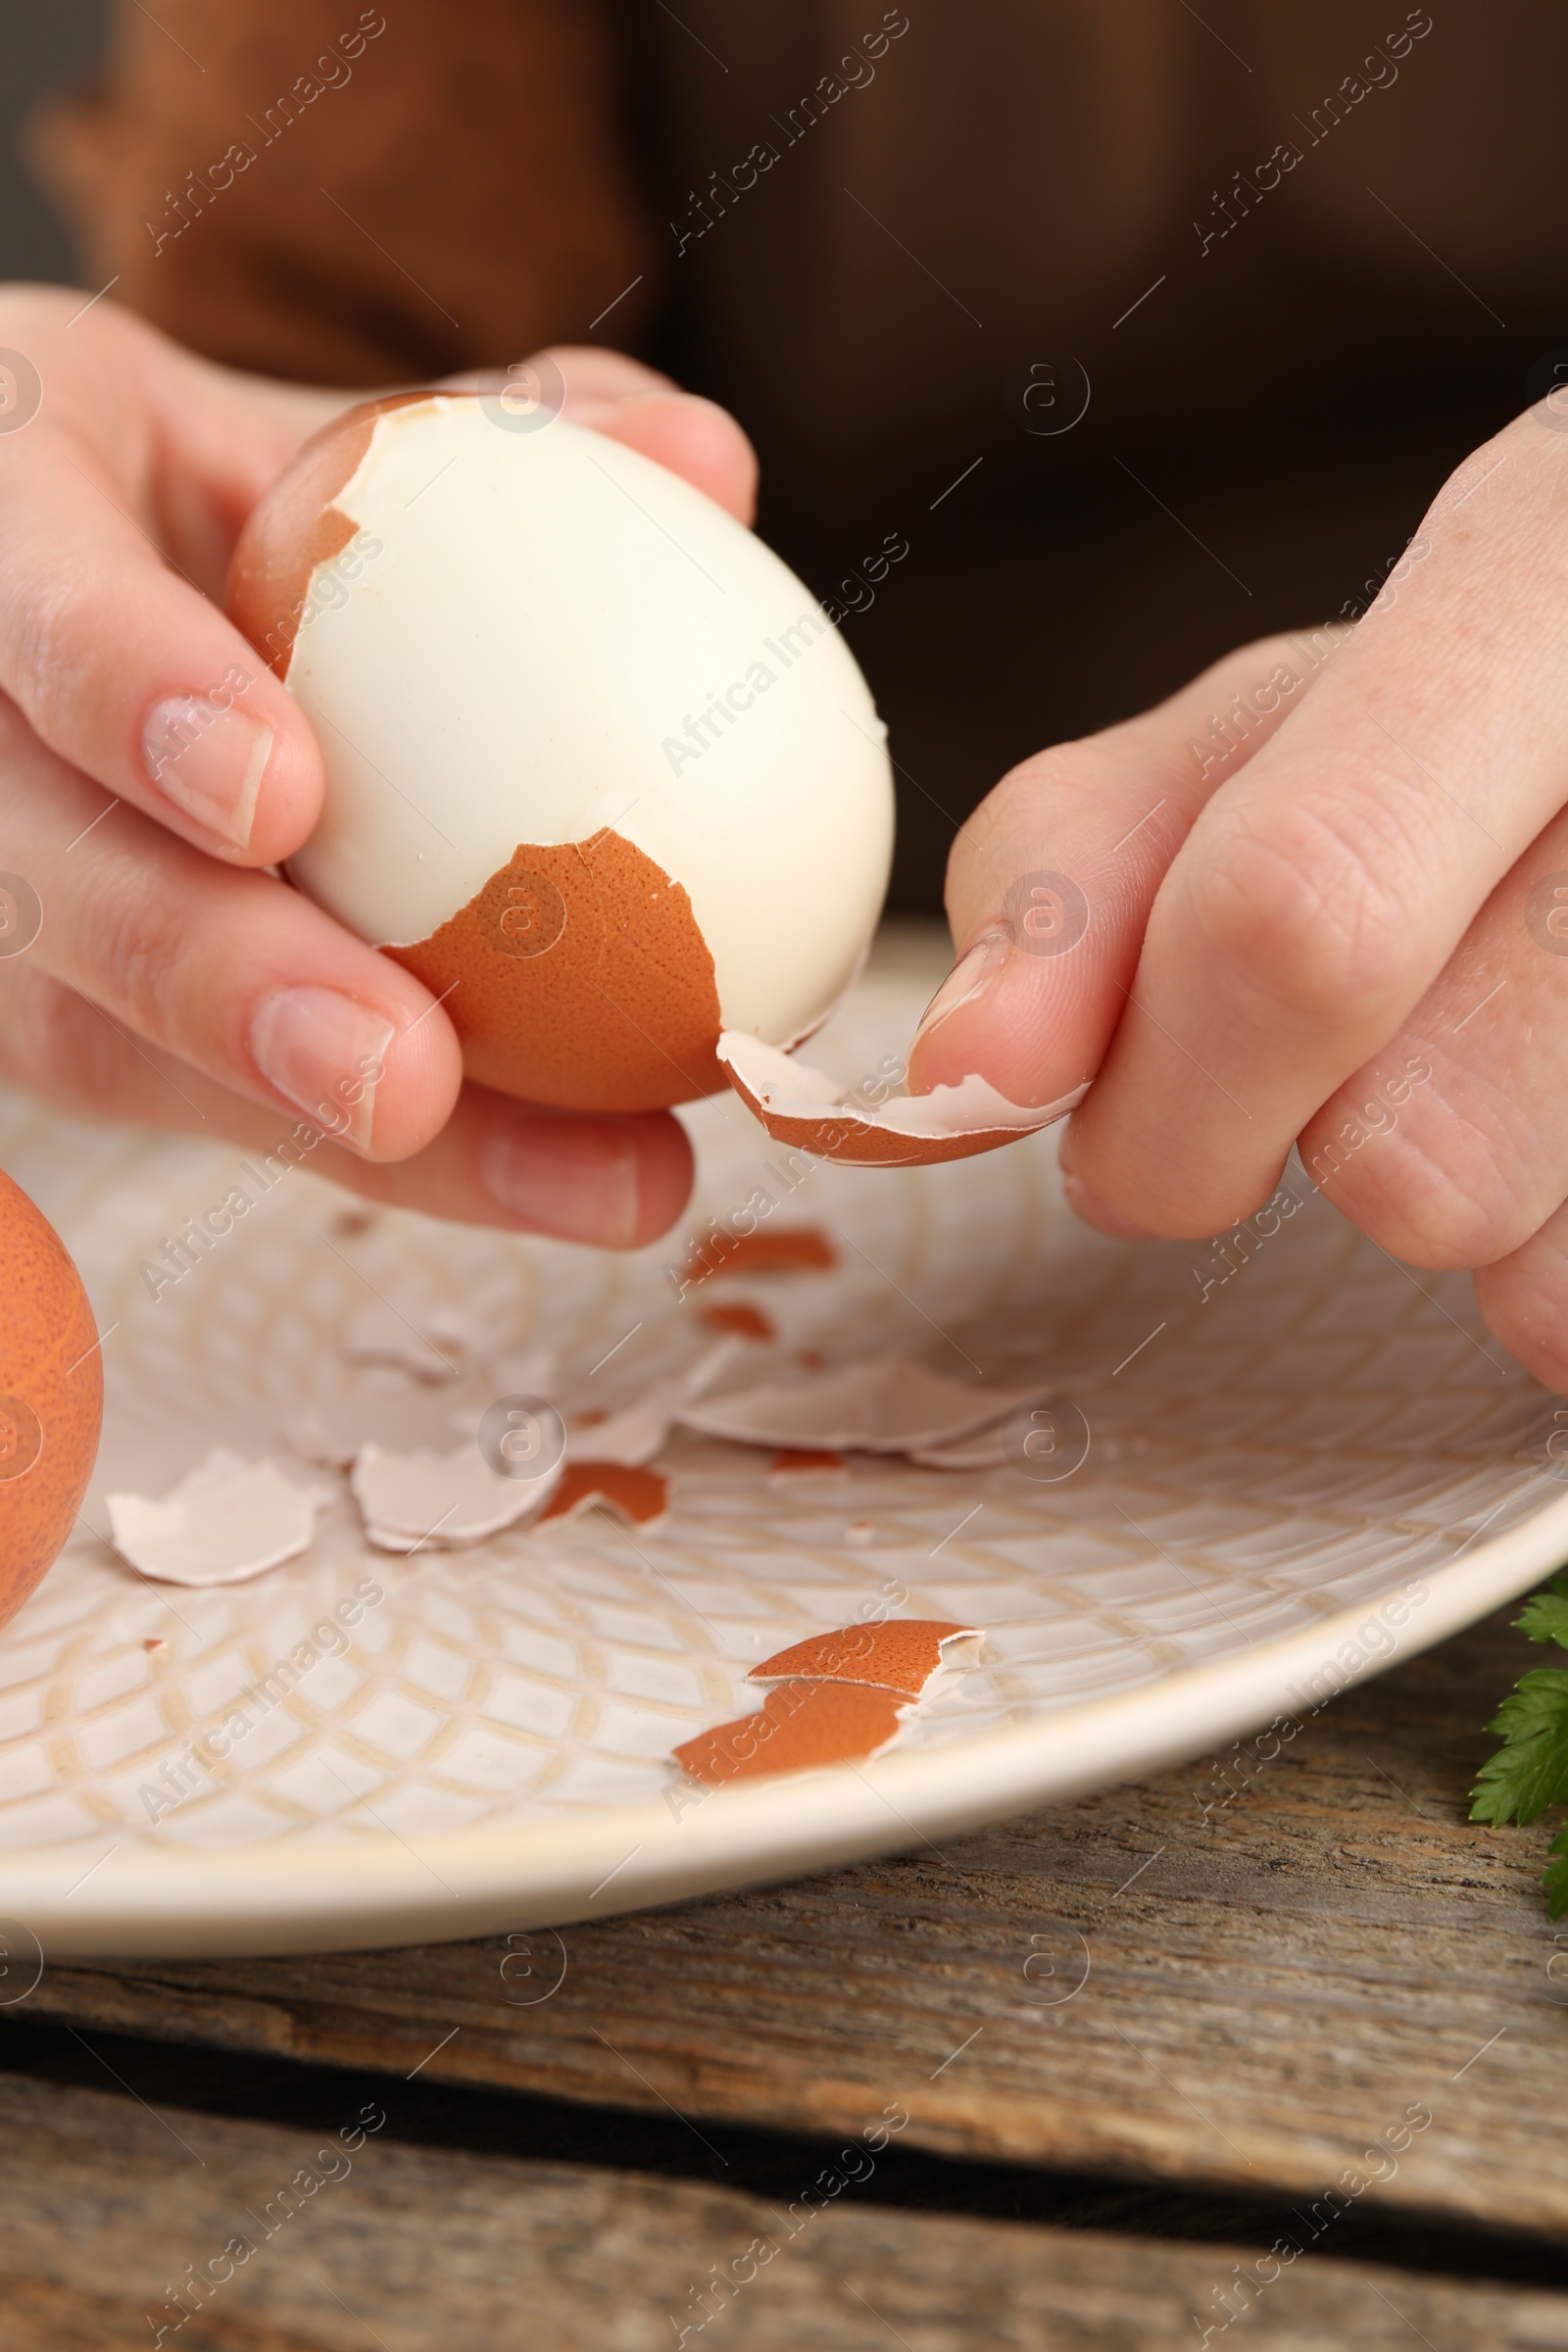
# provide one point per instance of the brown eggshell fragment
(811, 1111)
(51, 1396)
(577, 976)
(295, 526)
(637, 1494)
(739, 1318)
(900, 1654)
(800, 1727)
(808, 1461)
(786, 1249)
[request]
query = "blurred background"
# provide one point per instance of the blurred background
(1281, 359)
(44, 48)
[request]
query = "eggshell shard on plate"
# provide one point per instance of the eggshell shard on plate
(786, 1249)
(988, 1448)
(985, 1450)
(598, 765)
(811, 1111)
(635, 1433)
(51, 1396)
(629, 1489)
(808, 1461)
(900, 1654)
(741, 1318)
(225, 1522)
(775, 1249)
(800, 1727)
(884, 1406)
(440, 1501)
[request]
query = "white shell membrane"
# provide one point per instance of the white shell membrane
(511, 651)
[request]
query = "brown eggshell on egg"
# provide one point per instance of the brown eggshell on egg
(51, 1396)
(577, 976)
(296, 526)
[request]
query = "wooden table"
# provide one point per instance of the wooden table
(1062, 2083)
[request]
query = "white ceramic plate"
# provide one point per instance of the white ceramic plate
(1320, 1466)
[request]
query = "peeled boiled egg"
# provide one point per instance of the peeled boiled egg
(51, 1396)
(600, 769)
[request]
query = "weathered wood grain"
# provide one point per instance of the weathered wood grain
(1271, 1986)
(109, 2209)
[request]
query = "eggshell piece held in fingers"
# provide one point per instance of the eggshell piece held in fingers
(811, 1111)
(598, 768)
(51, 1396)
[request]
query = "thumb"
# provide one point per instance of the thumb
(1051, 881)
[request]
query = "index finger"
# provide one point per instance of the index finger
(1051, 881)
(126, 671)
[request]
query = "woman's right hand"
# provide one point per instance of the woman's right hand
(152, 767)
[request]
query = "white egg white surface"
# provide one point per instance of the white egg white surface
(512, 650)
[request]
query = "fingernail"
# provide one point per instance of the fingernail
(324, 1052)
(973, 973)
(593, 408)
(1099, 1213)
(209, 761)
(575, 1178)
(599, 407)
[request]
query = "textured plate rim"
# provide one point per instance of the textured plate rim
(374, 1892)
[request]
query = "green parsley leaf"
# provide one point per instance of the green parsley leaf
(1545, 1617)
(1530, 1770)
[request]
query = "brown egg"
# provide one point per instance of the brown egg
(51, 1396)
